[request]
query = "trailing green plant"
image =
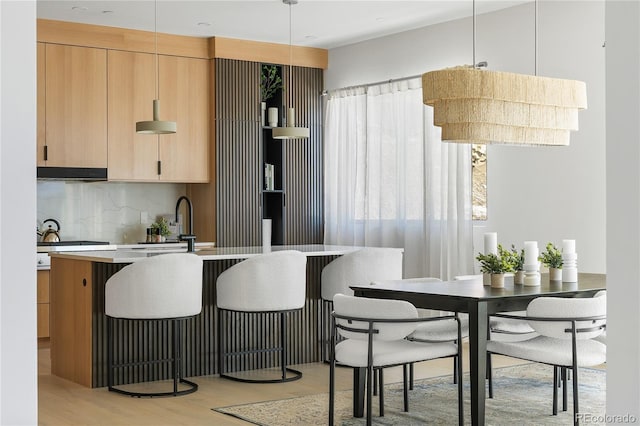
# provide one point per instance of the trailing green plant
(551, 257)
(162, 225)
(516, 259)
(270, 81)
(492, 263)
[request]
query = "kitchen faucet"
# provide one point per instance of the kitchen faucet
(189, 238)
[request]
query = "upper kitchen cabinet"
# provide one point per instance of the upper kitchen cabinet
(75, 106)
(184, 97)
(183, 94)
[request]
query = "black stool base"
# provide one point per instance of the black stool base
(296, 375)
(192, 387)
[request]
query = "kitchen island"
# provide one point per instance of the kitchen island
(78, 323)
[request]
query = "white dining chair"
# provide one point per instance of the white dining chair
(374, 336)
(360, 267)
(567, 328)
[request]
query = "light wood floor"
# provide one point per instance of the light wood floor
(61, 402)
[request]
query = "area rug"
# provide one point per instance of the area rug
(522, 396)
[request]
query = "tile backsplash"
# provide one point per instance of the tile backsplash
(105, 211)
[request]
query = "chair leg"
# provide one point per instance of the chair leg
(109, 352)
(564, 388)
(555, 390)
(405, 387)
(490, 375)
(381, 391)
(175, 362)
(375, 384)
(283, 344)
(455, 370)
(576, 408)
(369, 394)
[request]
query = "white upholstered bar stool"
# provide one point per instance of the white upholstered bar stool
(360, 267)
(266, 284)
(156, 289)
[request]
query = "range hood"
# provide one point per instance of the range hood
(72, 173)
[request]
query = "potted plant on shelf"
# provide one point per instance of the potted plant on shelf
(496, 265)
(552, 259)
(517, 261)
(270, 82)
(161, 229)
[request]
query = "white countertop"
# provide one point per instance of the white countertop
(130, 255)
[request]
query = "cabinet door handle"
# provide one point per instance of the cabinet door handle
(84, 282)
(46, 153)
(159, 167)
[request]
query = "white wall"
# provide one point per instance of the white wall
(105, 211)
(623, 208)
(18, 351)
(543, 194)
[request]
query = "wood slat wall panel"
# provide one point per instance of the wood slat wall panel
(304, 160)
(238, 153)
(199, 337)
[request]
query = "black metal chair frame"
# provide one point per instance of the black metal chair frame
(175, 360)
(561, 370)
(223, 355)
(370, 331)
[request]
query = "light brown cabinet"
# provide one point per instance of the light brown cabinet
(71, 319)
(43, 304)
(72, 125)
(184, 98)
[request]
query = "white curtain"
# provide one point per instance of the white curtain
(391, 182)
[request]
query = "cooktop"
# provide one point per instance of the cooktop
(72, 243)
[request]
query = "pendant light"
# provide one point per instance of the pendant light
(157, 126)
(290, 131)
(472, 105)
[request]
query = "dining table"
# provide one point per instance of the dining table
(479, 301)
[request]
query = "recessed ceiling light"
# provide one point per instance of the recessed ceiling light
(381, 19)
(106, 12)
(79, 8)
(204, 24)
(310, 37)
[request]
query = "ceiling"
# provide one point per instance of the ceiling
(315, 23)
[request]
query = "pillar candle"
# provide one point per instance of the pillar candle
(568, 246)
(530, 252)
(490, 243)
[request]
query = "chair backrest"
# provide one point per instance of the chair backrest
(365, 308)
(273, 281)
(165, 286)
(360, 267)
(561, 307)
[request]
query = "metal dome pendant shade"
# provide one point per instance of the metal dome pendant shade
(473, 105)
(290, 131)
(157, 126)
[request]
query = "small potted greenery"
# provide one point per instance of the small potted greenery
(496, 265)
(161, 228)
(552, 259)
(517, 261)
(270, 82)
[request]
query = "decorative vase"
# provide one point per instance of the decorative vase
(486, 279)
(497, 280)
(273, 117)
(263, 107)
(518, 277)
(555, 274)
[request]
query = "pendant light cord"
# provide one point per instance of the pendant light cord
(155, 31)
(290, 63)
(535, 37)
(474, 33)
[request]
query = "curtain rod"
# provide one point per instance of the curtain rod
(325, 92)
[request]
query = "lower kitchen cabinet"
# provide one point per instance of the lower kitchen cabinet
(71, 319)
(43, 304)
